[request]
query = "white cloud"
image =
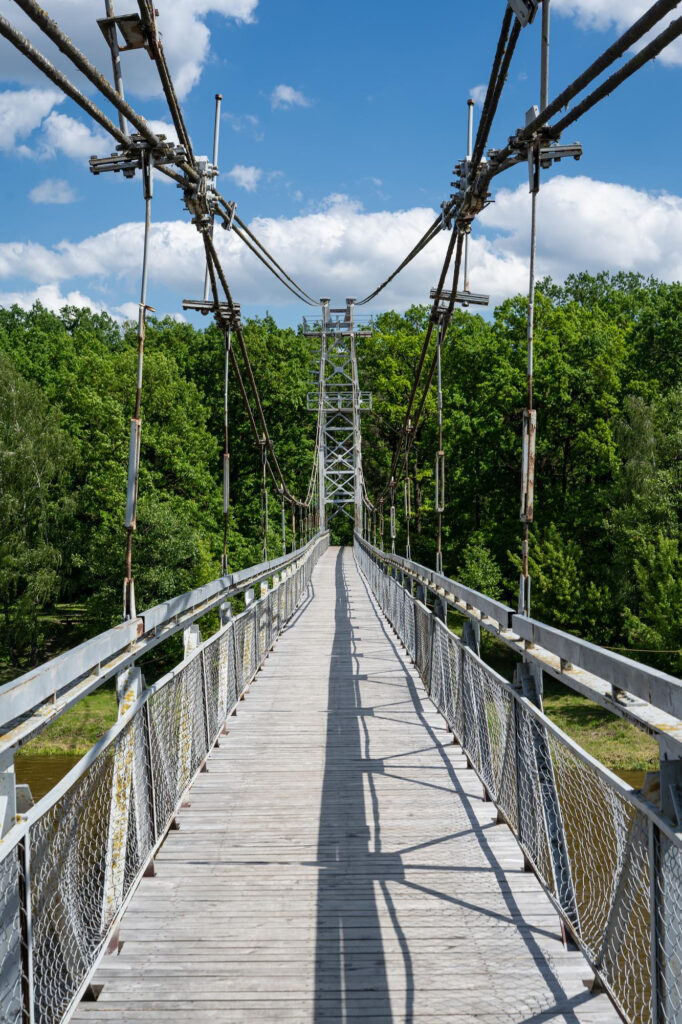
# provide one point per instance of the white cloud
(29, 114)
(245, 177)
(51, 297)
(339, 249)
(164, 128)
(22, 111)
(478, 92)
(72, 138)
(287, 96)
(604, 14)
(182, 25)
(52, 190)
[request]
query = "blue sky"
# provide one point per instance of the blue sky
(340, 127)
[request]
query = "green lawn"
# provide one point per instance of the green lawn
(80, 728)
(620, 746)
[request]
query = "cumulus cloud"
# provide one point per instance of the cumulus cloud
(52, 190)
(340, 249)
(245, 177)
(286, 96)
(478, 92)
(29, 114)
(65, 135)
(51, 297)
(604, 14)
(182, 24)
(22, 111)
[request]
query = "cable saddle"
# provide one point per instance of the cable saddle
(131, 157)
(200, 196)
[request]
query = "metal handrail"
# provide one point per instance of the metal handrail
(609, 859)
(69, 867)
(646, 697)
(36, 699)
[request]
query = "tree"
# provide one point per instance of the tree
(35, 456)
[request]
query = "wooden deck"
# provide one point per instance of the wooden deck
(338, 862)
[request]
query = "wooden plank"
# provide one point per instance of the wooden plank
(338, 862)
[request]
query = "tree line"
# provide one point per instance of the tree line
(606, 560)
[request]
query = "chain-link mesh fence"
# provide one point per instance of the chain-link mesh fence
(611, 864)
(87, 843)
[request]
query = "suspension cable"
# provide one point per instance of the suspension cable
(271, 258)
(129, 610)
(24, 46)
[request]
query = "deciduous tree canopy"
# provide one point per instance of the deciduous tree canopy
(606, 557)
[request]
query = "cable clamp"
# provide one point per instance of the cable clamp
(228, 218)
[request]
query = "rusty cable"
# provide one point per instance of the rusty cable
(87, 68)
(159, 57)
(24, 46)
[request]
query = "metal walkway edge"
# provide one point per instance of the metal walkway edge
(338, 862)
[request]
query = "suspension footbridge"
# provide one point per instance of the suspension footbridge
(332, 807)
(340, 857)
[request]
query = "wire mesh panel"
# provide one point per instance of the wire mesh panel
(84, 853)
(668, 929)
(611, 867)
(87, 842)
(10, 938)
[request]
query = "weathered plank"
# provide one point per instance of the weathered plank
(337, 861)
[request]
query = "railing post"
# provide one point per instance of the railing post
(440, 609)
(471, 635)
(191, 639)
(151, 787)
(262, 624)
(225, 612)
(25, 966)
(531, 679)
(657, 1016)
(204, 694)
(129, 687)
(8, 792)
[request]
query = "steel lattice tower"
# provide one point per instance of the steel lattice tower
(340, 403)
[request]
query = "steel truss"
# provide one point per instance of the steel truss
(339, 403)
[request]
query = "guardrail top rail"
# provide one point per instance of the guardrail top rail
(37, 698)
(69, 866)
(610, 861)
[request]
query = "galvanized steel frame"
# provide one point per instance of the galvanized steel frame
(20, 990)
(648, 888)
(32, 701)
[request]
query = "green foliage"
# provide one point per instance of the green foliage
(34, 457)
(605, 548)
(479, 569)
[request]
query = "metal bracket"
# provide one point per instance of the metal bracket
(130, 158)
(228, 219)
(525, 10)
(463, 298)
(230, 316)
(200, 195)
(131, 28)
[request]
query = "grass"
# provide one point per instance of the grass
(78, 729)
(622, 747)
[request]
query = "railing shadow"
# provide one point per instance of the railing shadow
(563, 1005)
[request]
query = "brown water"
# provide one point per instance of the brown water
(634, 779)
(43, 771)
